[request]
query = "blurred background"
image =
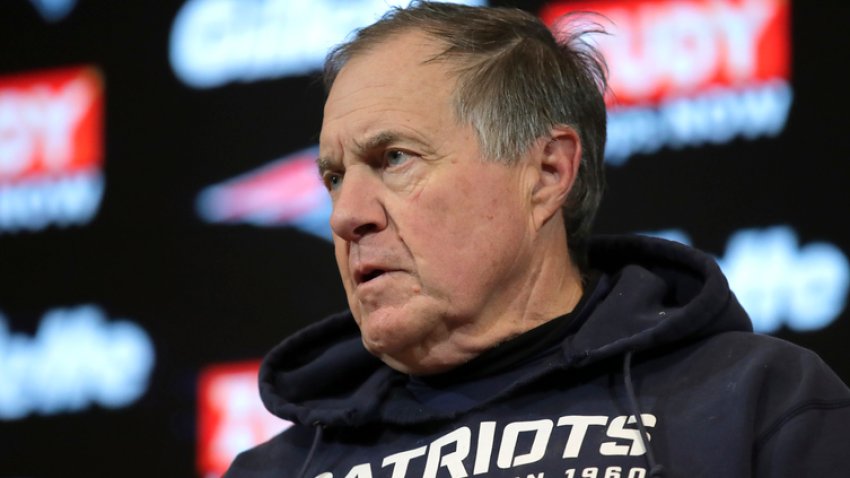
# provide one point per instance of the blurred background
(162, 225)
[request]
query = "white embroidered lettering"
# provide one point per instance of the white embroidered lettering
(401, 460)
(580, 424)
(362, 470)
(617, 429)
(542, 429)
(486, 434)
(453, 461)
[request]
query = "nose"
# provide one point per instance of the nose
(358, 209)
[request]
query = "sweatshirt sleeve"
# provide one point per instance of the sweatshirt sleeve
(810, 436)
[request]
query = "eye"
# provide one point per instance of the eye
(395, 157)
(332, 180)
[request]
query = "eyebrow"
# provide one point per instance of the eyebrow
(323, 164)
(375, 142)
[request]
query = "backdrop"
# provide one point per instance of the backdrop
(162, 226)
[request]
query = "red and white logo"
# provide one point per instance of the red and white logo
(231, 417)
(658, 49)
(51, 148)
(688, 72)
(284, 192)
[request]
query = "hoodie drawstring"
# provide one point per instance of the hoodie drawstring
(316, 437)
(655, 469)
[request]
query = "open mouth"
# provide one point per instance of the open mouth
(370, 274)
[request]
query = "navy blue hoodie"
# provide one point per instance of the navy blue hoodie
(658, 336)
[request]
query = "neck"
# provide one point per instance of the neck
(553, 288)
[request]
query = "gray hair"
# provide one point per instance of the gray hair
(515, 82)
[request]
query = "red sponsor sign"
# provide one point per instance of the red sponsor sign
(277, 192)
(660, 49)
(231, 417)
(50, 123)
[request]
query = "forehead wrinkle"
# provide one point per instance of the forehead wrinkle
(360, 100)
(329, 161)
(363, 148)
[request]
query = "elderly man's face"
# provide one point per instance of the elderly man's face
(431, 240)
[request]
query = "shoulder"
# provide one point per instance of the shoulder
(276, 457)
(767, 356)
(779, 380)
(780, 401)
(756, 378)
(770, 361)
(800, 408)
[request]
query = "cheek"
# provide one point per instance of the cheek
(437, 222)
(446, 206)
(455, 234)
(470, 211)
(341, 255)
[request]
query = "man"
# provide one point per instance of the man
(479, 340)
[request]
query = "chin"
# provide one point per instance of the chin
(413, 364)
(391, 332)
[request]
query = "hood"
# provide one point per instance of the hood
(657, 293)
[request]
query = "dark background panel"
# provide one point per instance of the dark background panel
(210, 294)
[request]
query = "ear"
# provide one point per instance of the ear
(557, 161)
